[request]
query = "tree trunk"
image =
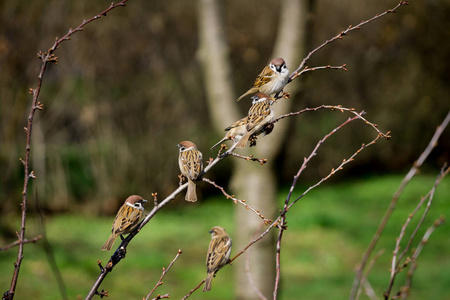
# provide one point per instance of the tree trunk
(250, 181)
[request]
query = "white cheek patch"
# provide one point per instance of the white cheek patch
(138, 206)
(190, 148)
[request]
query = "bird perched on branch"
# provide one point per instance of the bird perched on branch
(127, 218)
(259, 115)
(271, 80)
(218, 255)
(190, 161)
(234, 132)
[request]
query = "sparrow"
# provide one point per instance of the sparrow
(259, 115)
(218, 255)
(235, 132)
(190, 161)
(126, 220)
(271, 80)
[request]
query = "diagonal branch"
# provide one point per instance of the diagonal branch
(412, 172)
(45, 57)
(395, 264)
(341, 35)
(235, 200)
(405, 289)
(329, 67)
(277, 221)
(165, 270)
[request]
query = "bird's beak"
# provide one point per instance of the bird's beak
(210, 231)
(145, 201)
(178, 145)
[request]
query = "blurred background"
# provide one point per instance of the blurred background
(129, 87)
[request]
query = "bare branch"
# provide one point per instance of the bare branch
(262, 161)
(395, 264)
(364, 281)
(341, 109)
(165, 270)
(412, 172)
(251, 281)
(341, 35)
(165, 296)
(193, 290)
(405, 289)
(282, 218)
(307, 69)
(333, 171)
(235, 200)
(25, 241)
(45, 57)
(281, 227)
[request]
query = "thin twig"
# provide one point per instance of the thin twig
(341, 35)
(262, 161)
(282, 227)
(364, 282)
(248, 272)
(395, 264)
(165, 296)
(412, 172)
(193, 290)
(165, 270)
(276, 222)
(307, 69)
(405, 289)
(339, 108)
(46, 57)
(235, 200)
(287, 204)
(25, 241)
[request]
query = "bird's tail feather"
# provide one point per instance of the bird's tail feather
(109, 243)
(191, 194)
(208, 282)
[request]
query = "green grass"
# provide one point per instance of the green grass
(328, 231)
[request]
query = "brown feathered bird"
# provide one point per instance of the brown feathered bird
(259, 115)
(190, 161)
(218, 255)
(271, 80)
(127, 218)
